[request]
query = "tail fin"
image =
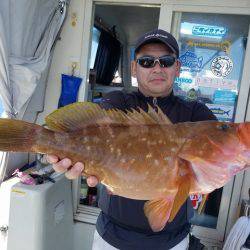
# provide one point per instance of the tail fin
(17, 135)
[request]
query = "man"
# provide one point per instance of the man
(122, 223)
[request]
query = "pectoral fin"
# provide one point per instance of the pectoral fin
(181, 196)
(158, 212)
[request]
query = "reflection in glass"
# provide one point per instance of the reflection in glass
(88, 195)
(95, 41)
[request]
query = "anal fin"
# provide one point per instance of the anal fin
(181, 196)
(158, 212)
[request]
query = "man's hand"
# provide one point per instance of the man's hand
(71, 172)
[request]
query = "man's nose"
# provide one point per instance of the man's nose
(157, 66)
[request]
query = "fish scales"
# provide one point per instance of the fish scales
(139, 155)
(114, 168)
(123, 168)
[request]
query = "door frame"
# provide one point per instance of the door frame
(89, 10)
(231, 196)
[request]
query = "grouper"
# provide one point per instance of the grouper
(136, 154)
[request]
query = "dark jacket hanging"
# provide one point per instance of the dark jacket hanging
(107, 58)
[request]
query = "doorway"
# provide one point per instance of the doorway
(122, 25)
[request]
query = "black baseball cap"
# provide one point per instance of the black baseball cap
(156, 36)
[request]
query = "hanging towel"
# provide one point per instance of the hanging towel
(70, 87)
(238, 234)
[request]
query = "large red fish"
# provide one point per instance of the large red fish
(139, 155)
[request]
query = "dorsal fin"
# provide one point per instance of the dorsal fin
(81, 114)
(158, 116)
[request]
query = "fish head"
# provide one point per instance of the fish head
(244, 134)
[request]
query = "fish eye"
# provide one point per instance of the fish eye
(224, 127)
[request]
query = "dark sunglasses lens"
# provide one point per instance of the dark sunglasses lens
(167, 61)
(146, 62)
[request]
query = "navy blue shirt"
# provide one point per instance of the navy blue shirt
(122, 222)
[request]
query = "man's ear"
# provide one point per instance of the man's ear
(133, 68)
(178, 68)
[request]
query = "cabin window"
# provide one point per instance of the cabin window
(105, 61)
(88, 195)
(132, 57)
(95, 41)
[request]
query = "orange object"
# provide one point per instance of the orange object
(139, 155)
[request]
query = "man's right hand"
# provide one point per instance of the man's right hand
(71, 172)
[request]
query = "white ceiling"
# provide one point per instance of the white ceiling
(130, 21)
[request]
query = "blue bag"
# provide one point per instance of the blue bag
(70, 87)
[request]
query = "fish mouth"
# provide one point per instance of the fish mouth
(243, 131)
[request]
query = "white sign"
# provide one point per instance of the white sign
(223, 112)
(217, 83)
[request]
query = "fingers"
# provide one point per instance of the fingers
(52, 159)
(75, 171)
(92, 181)
(71, 172)
(63, 165)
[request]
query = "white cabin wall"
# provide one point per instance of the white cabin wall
(67, 50)
(83, 236)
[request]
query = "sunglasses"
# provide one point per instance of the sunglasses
(150, 61)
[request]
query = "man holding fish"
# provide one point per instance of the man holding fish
(150, 148)
(122, 223)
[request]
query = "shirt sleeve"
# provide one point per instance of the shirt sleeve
(202, 113)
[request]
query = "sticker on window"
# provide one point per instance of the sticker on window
(221, 66)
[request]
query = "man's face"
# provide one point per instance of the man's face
(156, 81)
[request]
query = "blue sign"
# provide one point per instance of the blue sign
(203, 30)
(224, 97)
(183, 80)
(207, 30)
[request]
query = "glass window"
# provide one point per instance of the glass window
(88, 195)
(94, 46)
(132, 57)
(212, 51)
